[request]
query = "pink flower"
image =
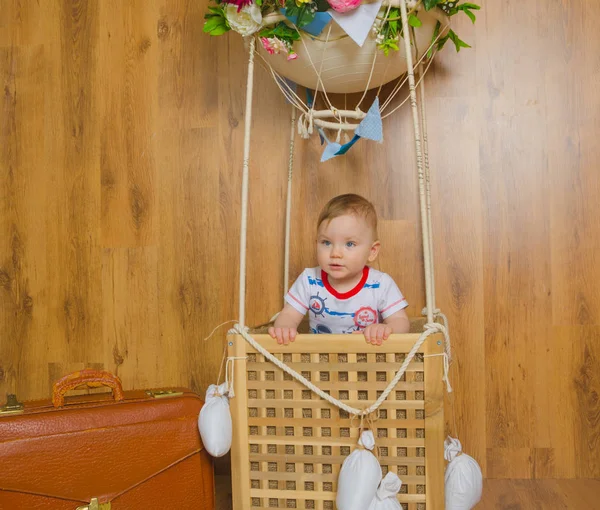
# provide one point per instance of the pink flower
(267, 45)
(274, 45)
(344, 5)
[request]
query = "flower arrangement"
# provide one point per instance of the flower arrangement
(277, 34)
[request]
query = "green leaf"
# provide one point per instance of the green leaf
(215, 10)
(475, 7)
(458, 43)
(413, 21)
(284, 31)
(303, 13)
(281, 31)
(470, 14)
(291, 9)
(211, 23)
(388, 45)
(215, 25)
(466, 8)
(442, 42)
(305, 17)
(220, 30)
(430, 4)
(436, 32)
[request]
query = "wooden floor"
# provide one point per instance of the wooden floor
(503, 494)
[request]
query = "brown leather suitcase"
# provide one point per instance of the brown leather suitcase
(126, 451)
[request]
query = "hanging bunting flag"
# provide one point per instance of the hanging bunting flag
(333, 149)
(316, 26)
(371, 126)
(346, 147)
(358, 22)
(309, 98)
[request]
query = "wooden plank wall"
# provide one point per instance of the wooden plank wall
(121, 128)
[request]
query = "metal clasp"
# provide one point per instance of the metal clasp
(163, 393)
(12, 406)
(94, 505)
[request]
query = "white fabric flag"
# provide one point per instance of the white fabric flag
(358, 22)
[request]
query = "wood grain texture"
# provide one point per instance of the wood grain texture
(121, 132)
(499, 494)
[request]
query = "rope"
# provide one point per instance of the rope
(389, 99)
(217, 327)
(445, 377)
(437, 314)
(319, 81)
(427, 175)
(430, 329)
(288, 208)
(221, 367)
(415, 113)
(229, 374)
(369, 80)
(320, 70)
(244, 219)
(445, 25)
(280, 81)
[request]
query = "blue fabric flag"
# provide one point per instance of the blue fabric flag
(371, 126)
(333, 149)
(316, 26)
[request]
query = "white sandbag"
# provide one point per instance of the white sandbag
(359, 476)
(463, 480)
(214, 421)
(386, 499)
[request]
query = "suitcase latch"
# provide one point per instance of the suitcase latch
(94, 505)
(12, 406)
(163, 393)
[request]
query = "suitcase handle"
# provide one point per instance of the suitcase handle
(93, 378)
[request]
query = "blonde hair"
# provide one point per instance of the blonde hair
(349, 204)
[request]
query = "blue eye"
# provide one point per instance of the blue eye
(326, 243)
(350, 244)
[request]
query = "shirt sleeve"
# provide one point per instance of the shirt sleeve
(298, 295)
(391, 299)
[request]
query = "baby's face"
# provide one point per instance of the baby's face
(345, 245)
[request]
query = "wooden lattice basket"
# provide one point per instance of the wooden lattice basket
(289, 444)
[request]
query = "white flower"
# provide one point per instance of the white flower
(247, 21)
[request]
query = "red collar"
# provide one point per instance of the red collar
(351, 292)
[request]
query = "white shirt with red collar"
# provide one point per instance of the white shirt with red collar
(374, 298)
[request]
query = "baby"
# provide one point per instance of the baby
(344, 294)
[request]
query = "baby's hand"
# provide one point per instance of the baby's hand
(376, 333)
(283, 335)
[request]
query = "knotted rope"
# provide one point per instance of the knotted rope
(430, 329)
